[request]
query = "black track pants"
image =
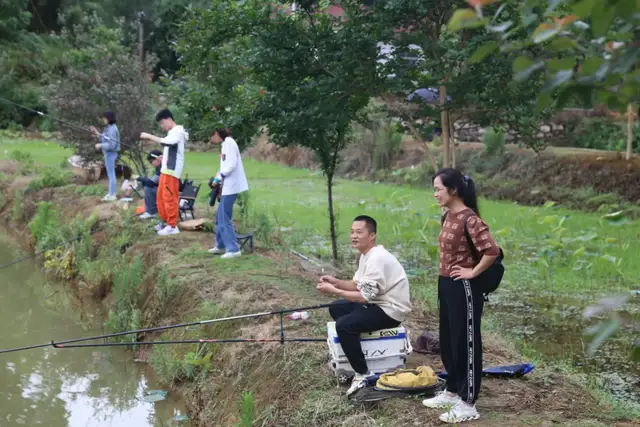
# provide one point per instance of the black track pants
(352, 319)
(460, 341)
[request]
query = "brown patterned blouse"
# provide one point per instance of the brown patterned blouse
(454, 249)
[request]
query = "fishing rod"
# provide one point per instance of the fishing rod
(281, 313)
(196, 341)
(64, 122)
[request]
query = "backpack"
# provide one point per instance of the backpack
(489, 280)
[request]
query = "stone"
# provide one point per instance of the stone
(545, 128)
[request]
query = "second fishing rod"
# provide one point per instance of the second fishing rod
(280, 313)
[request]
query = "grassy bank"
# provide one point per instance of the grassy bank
(147, 281)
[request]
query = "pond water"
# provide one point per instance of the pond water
(74, 387)
(555, 327)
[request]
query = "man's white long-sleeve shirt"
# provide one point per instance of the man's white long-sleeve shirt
(231, 168)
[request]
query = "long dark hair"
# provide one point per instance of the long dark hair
(463, 185)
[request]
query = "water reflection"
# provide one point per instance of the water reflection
(74, 387)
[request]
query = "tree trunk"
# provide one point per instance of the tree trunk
(452, 138)
(444, 122)
(332, 217)
(629, 131)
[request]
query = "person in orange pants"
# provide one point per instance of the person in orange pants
(172, 165)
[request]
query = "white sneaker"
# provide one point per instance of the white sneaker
(442, 400)
(109, 198)
(216, 251)
(146, 215)
(168, 230)
(460, 413)
(228, 255)
(160, 226)
(358, 382)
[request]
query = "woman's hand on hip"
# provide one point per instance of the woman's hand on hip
(460, 273)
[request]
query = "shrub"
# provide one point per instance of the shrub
(26, 163)
(494, 141)
(50, 177)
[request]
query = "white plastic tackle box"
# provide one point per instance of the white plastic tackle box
(384, 350)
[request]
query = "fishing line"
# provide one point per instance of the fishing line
(64, 122)
(281, 313)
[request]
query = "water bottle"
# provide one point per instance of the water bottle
(299, 315)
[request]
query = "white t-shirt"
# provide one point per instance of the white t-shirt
(231, 168)
(381, 280)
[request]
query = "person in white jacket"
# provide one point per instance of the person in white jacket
(234, 180)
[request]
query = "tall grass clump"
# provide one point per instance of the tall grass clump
(494, 141)
(125, 314)
(247, 407)
(50, 177)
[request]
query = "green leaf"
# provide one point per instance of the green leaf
(523, 67)
(626, 9)
(521, 63)
(500, 28)
(552, 6)
(580, 251)
(603, 12)
(463, 18)
(543, 101)
(483, 51)
(614, 216)
(602, 333)
(562, 43)
(583, 9)
(555, 65)
(559, 78)
(544, 32)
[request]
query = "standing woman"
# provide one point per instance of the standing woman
(234, 182)
(110, 145)
(460, 296)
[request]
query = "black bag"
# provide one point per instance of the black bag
(489, 280)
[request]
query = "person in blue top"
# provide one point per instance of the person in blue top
(110, 145)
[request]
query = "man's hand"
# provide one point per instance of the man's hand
(94, 130)
(326, 288)
(145, 135)
(460, 273)
(98, 146)
(329, 279)
(135, 177)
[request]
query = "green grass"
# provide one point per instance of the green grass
(547, 248)
(43, 152)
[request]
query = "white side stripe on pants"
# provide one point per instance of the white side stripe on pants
(470, 340)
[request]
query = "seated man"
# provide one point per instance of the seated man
(377, 297)
(150, 185)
